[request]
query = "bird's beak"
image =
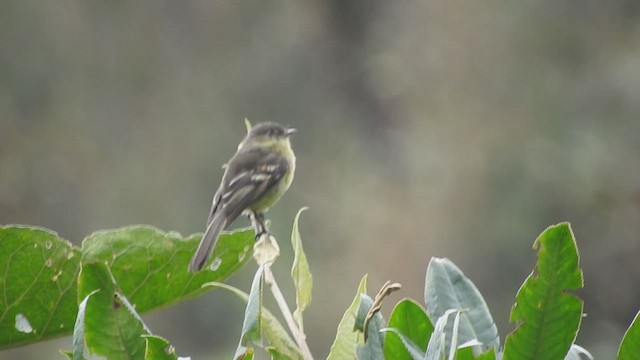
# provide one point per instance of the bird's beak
(290, 132)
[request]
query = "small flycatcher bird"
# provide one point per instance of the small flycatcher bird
(255, 178)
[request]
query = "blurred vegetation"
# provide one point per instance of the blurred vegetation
(457, 129)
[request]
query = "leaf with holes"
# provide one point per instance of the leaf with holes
(150, 266)
(38, 272)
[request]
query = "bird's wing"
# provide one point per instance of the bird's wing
(248, 179)
(214, 205)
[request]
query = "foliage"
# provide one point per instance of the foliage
(547, 314)
(630, 347)
(97, 291)
(44, 279)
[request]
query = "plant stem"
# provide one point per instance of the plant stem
(298, 335)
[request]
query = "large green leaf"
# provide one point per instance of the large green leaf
(38, 272)
(548, 314)
(630, 346)
(410, 320)
(112, 328)
(300, 273)
(446, 287)
(150, 266)
(346, 341)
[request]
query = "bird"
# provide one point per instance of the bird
(255, 178)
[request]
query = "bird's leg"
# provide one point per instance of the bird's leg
(257, 221)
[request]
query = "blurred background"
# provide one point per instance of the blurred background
(457, 129)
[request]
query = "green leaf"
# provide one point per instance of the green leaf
(278, 336)
(273, 330)
(630, 346)
(374, 344)
(111, 328)
(548, 314)
(251, 323)
(407, 350)
(346, 341)
(78, 329)
(410, 320)
(300, 273)
(158, 348)
(465, 353)
(150, 266)
(38, 272)
(446, 287)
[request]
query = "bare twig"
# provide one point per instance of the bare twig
(298, 335)
(386, 289)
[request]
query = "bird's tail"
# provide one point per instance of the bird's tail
(209, 238)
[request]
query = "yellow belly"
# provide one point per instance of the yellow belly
(273, 195)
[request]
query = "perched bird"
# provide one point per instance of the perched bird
(255, 178)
